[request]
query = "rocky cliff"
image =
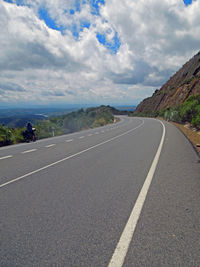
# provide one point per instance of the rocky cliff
(184, 83)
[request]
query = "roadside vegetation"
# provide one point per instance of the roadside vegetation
(64, 124)
(189, 112)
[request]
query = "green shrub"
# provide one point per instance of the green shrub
(46, 129)
(196, 122)
(190, 109)
(5, 136)
(172, 114)
(187, 112)
(17, 136)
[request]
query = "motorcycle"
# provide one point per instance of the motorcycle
(29, 136)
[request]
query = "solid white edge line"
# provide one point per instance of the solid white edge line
(69, 157)
(121, 250)
(28, 151)
(7, 157)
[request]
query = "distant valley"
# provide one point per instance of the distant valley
(19, 117)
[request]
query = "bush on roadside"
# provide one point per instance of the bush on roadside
(5, 136)
(190, 111)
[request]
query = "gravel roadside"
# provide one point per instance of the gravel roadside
(192, 134)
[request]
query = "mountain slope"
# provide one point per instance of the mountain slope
(184, 83)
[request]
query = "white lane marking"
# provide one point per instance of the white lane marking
(70, 140)
(121, 250)
(102, 131)
(90, 134)
(28, 151)
(69, 157)
(50, 145)
(81, 137)
(7, 157)
(97, 133)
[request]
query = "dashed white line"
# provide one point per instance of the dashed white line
(50, 145)
(69, 157)
(28, 151)
(81, 137)
(69, 140)
(90, 134)
(121, 250)
(97, 133)
(102, 131)
(7, 157)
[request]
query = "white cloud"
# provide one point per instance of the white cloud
(156, 37)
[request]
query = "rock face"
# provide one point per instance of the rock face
(184, 83)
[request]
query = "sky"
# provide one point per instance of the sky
(58, 52)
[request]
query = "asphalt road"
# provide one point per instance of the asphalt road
(65, 201)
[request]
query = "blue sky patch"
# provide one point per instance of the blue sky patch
(75, 28)
(17, 2)
(8, 1)
(44, 15)
(71, 12)
(75, 31)
(95, 5)
(112, 46)
(78, 5)
(20, 2)
(187, 2)
(84, 24)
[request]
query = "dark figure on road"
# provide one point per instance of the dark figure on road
(30, 132)
(29, 127)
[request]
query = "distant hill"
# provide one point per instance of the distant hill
(20, 121)
(19, 117)
(58, 125)
(126, 108)
(185, 83)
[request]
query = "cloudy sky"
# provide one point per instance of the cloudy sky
(92, 51)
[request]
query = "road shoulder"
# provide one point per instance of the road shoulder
(192, 135)
(167, 233)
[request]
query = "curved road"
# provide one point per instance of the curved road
(88, 198)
